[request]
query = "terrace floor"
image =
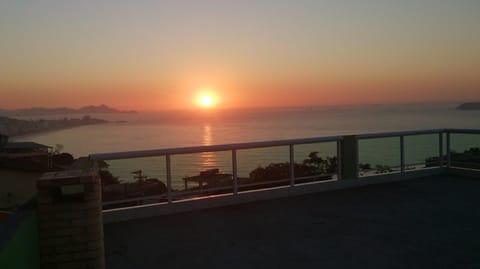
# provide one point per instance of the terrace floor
(431, 222)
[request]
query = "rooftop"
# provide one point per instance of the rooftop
(25, 145)
(431, 222)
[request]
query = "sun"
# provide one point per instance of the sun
(206, 100)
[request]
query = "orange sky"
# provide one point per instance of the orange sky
(150, 55)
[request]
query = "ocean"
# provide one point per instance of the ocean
(157, 130)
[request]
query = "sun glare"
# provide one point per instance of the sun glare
(206, 100)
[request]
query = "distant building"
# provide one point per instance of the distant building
(29, 156)
(24, 147)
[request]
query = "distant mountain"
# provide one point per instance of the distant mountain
(102, 109)
(62, 110)
(469, 106)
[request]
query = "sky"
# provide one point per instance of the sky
(156, 55)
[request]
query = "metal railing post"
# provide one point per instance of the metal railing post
(292, 166)
(234, 171)
(169, 178)
(449, 151)
(349, 154)
(339, 159)
(357, 157)
(402, 154)
(440, 148)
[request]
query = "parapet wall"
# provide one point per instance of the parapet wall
(70, 220)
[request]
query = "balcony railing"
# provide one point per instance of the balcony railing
(234, 150)
(444, 148)
(346, 151)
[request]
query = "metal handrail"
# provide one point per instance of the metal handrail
(212, 148)
(262, 144)
(462, 131)
(417, 132)
(399, 134)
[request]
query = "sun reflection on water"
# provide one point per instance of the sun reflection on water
(207, 135)
(208, 159)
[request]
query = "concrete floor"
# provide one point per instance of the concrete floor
(424, 223)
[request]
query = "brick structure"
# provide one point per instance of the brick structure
(70, 220)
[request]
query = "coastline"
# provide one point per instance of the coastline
(15, 127)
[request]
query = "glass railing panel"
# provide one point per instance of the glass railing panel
(133, 181)
(263, 167)
(378, 156)
(315, 162)
(201, 174)
(465, 150)
(422, 151)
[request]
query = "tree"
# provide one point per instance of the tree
(108, 178)
(63, 158)
(313, 165)
(58, 149)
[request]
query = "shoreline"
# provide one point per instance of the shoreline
(52, 130)
(15, 128)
